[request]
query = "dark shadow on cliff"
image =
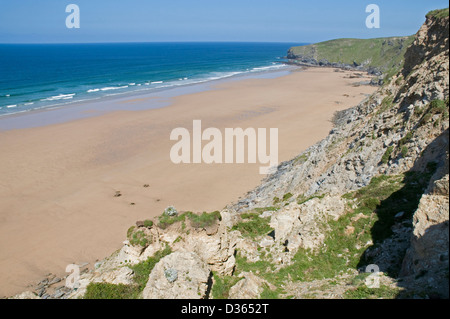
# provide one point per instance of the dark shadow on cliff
(427, 275)
(397, 210)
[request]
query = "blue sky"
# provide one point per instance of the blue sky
(43, 21)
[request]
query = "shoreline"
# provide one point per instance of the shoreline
(163, 93)
(57, 202)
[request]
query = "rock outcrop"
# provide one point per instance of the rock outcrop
(426, 260)
(181, 275)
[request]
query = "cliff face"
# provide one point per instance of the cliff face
(426, 261)
(401, 130)
(368, 139)
(374, 192)
(429, 43)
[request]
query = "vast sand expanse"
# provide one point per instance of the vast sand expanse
(57, 182)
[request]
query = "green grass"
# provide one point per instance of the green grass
(111, 291)
(204, 220)
(405, 139)
(261, 266)
(121, 291)
(383, 53)
(253, 226)
(363, 292)
(387, 155)
(439, 13)
(372, 215)
(385, 104)
(378, 203)
(165, 221)
(439, 107)
(197, 220)
(222, 285)
(404, 151)
(148, 223)
(137, 237)
(268, 293)
(143, 269)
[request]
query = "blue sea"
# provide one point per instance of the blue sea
(36, 76)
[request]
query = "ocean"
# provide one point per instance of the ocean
(36, 76)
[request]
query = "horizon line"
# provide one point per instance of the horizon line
(206, 41)
(126, 42)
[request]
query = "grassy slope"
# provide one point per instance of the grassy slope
(382, 53)
(440, 13)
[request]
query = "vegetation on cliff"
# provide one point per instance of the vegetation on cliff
(381, 54)
(439, 13)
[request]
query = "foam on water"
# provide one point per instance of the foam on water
(56, 75)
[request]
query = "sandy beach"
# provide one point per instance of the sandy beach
(58, 182)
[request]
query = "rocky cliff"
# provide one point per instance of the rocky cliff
(372, 196)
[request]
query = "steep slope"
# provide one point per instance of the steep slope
(381, 156)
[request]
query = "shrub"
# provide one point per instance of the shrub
(435, 107)
(253, 226)
(404, 151)
(438, 106)
(204, 220)
(148, 223)
(405, 139)
(387, 155)
(138, 238)
(130, 231)
(165, 221)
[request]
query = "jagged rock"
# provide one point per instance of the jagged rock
(300, 225)
(250, 287)
(266, 214)
(248, 249)
(216, 250)
(123, 275)
(192, 283)
(129, 253)
(267, 242)
(427, 256)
